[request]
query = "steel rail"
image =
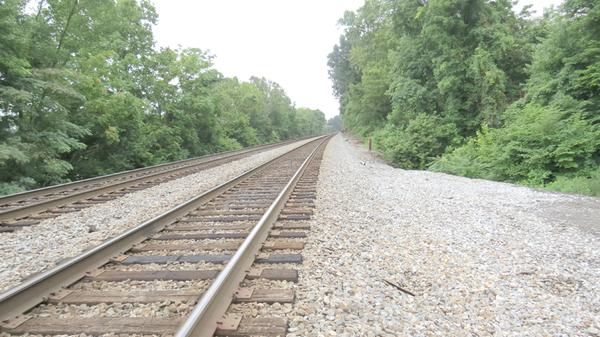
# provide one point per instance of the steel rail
(214, 303)
(44, 205)
(110, 177)
(36, 289)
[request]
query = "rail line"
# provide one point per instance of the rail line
(219, 248)
(31, 207)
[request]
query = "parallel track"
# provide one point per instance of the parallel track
(261, 210)
(30, 207)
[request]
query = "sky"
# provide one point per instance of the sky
(285, 41)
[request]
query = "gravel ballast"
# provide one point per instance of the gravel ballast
(39, 247)
(481, 258)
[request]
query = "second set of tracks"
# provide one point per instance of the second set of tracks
(196, 270)
(31, 207)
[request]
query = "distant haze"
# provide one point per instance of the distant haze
(285, 41)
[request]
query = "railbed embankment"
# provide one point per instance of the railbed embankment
(482, 258)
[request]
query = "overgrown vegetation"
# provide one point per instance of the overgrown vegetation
(83, 92)
(472, 88)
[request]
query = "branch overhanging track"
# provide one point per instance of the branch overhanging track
(31, 207)
(185, 246)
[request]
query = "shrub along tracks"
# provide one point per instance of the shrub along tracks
(254, 224)
(31, 207)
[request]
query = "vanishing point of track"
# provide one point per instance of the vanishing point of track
(30, 207)
(224, 248)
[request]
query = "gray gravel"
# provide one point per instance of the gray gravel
(157, 309)
(482, 258)
(260, 310)
(36, 248)
(142, 285)
(164, 266)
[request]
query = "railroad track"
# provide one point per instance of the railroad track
(196, 270)
(31, 207)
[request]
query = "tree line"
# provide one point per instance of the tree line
(84, 91)
(471, 87)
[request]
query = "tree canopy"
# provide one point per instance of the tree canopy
(84, 91)
(472, 88)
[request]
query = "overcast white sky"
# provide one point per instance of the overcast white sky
(286, 41)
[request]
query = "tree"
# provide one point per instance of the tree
(550, 136)
(309, 122)
(334, 124)
(459, 62)
(83, 91)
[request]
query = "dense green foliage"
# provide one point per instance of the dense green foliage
(83, 91)
(470, 87)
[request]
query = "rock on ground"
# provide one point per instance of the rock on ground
(481, 258)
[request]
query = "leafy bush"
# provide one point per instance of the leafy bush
(589, 185)
(535, 147)
(417, 145)
(464, 161)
